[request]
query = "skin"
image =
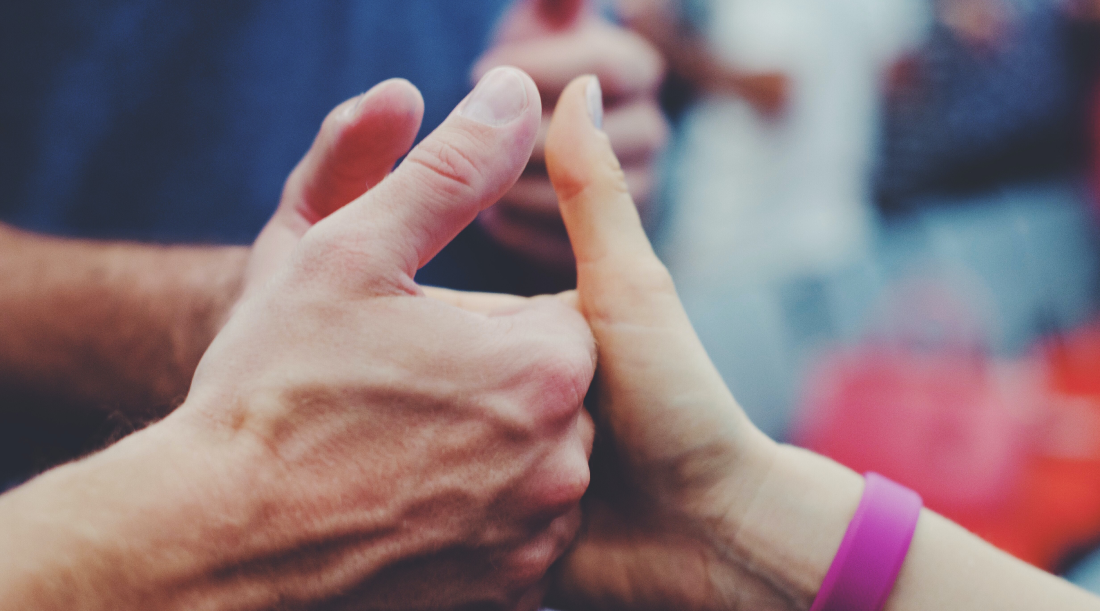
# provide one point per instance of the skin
(555, 41)
(164, 305)
(691, 507)
(346, 438)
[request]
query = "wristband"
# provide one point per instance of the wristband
(870, 556)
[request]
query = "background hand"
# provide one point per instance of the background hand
(556, 41)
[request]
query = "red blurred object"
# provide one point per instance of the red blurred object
(1009, 450)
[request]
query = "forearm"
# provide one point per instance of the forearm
(78, 537)
(793, 527)
(146, 524)
(93, 328)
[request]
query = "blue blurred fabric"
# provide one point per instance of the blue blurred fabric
(178, 121)
(1087, 573)
(978, 118)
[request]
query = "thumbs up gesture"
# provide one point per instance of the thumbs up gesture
(555, 41)
(691, 506)
(386, 448)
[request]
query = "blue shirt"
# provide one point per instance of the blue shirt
(178, 121)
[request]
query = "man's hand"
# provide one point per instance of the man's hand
(556, 41)
(348, 442)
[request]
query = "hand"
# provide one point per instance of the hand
(457, 438)
(680, 466)
(347, 441)
(555, 41)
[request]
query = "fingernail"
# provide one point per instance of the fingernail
(358, 102)
(499, 99)
(595, 101)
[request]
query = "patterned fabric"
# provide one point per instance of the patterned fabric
(974, 118)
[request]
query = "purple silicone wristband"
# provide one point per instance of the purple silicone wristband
(874, 546)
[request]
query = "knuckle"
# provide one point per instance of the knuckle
(330, 257)
(528, 566)
(331, 249)
(568, 487)
(574, 180)
(652, 279)
(312, 250)
(449, 167)
(563, 372)
(649, 59)
(638, 130)
(529, 563)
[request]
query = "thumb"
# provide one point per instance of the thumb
(660, 393)
(460, 169)
(619, 277)
(534, 18)
(655, 372)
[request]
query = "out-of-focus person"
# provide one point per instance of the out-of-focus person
(767, 201)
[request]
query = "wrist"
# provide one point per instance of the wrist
(788, 531)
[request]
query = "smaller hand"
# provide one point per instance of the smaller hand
(678, 458)
(555, 41)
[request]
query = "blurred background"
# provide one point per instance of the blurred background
(881, 214)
